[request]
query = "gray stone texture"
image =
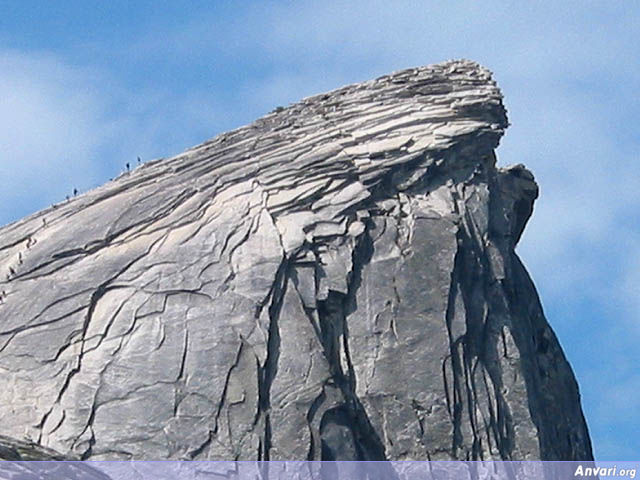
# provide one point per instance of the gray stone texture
(336, 280)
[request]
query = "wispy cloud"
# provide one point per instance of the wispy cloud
(64, 127)
(49, 129)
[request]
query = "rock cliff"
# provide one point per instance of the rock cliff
(336, 280)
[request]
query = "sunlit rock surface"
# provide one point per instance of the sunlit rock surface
(336, 280)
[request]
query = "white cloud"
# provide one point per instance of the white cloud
(48, 129)
(64, 127)
(628, 293)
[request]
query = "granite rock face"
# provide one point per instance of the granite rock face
(334, 281)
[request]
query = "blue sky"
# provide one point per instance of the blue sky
(87, 86)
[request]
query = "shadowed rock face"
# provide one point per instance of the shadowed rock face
(26, 460)
(334, 281)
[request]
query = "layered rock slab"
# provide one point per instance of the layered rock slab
(337, 280)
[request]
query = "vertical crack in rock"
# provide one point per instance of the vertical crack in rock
(474, 348)
(335, 281)
(346, 431)
(267, 372)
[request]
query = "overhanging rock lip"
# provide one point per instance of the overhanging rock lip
(416, 82)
